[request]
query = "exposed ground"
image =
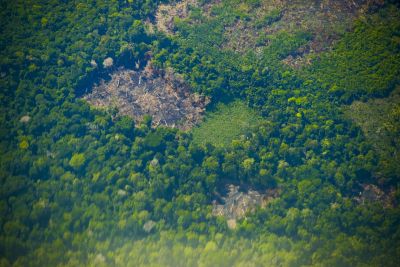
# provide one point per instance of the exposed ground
(372, 193)
(163, 95)
(167, 12)
(326, 20)
(236, 204)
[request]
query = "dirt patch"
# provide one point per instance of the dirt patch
(207, 6)
(167, 12)
(163, 95)
(326, 20)
(236, 204)
(245, 33)
(372, 193)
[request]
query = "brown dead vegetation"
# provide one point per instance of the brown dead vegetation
(372, 193)
(236, 204)
(161, 94)
(167, 12)
(325, 19)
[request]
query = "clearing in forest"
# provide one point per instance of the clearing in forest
(226, 123)
(379, 119)
(166, 13)
(237, 203)
(162, 95)
(252, 25)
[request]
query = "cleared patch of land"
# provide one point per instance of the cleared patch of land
(324, 20)
(226, 123)
(162, 95)
(237, 203)
(166, 13)
(379, 120)
(251, 25)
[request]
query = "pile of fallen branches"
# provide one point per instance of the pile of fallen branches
(161, 95)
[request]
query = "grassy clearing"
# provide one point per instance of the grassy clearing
(225, 123)
(379, 119)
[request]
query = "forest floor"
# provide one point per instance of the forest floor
(162, 95)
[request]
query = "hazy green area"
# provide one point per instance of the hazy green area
(365, 63)
(226, 123)
(379, 119)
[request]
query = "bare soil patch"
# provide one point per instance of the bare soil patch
(327, 20)
(167, 12)
(372, 193)
(236, 204)
(162, 95)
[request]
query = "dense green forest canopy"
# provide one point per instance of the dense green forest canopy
(304, 103)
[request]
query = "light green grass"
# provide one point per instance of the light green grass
(378, 118)
(226, 123)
